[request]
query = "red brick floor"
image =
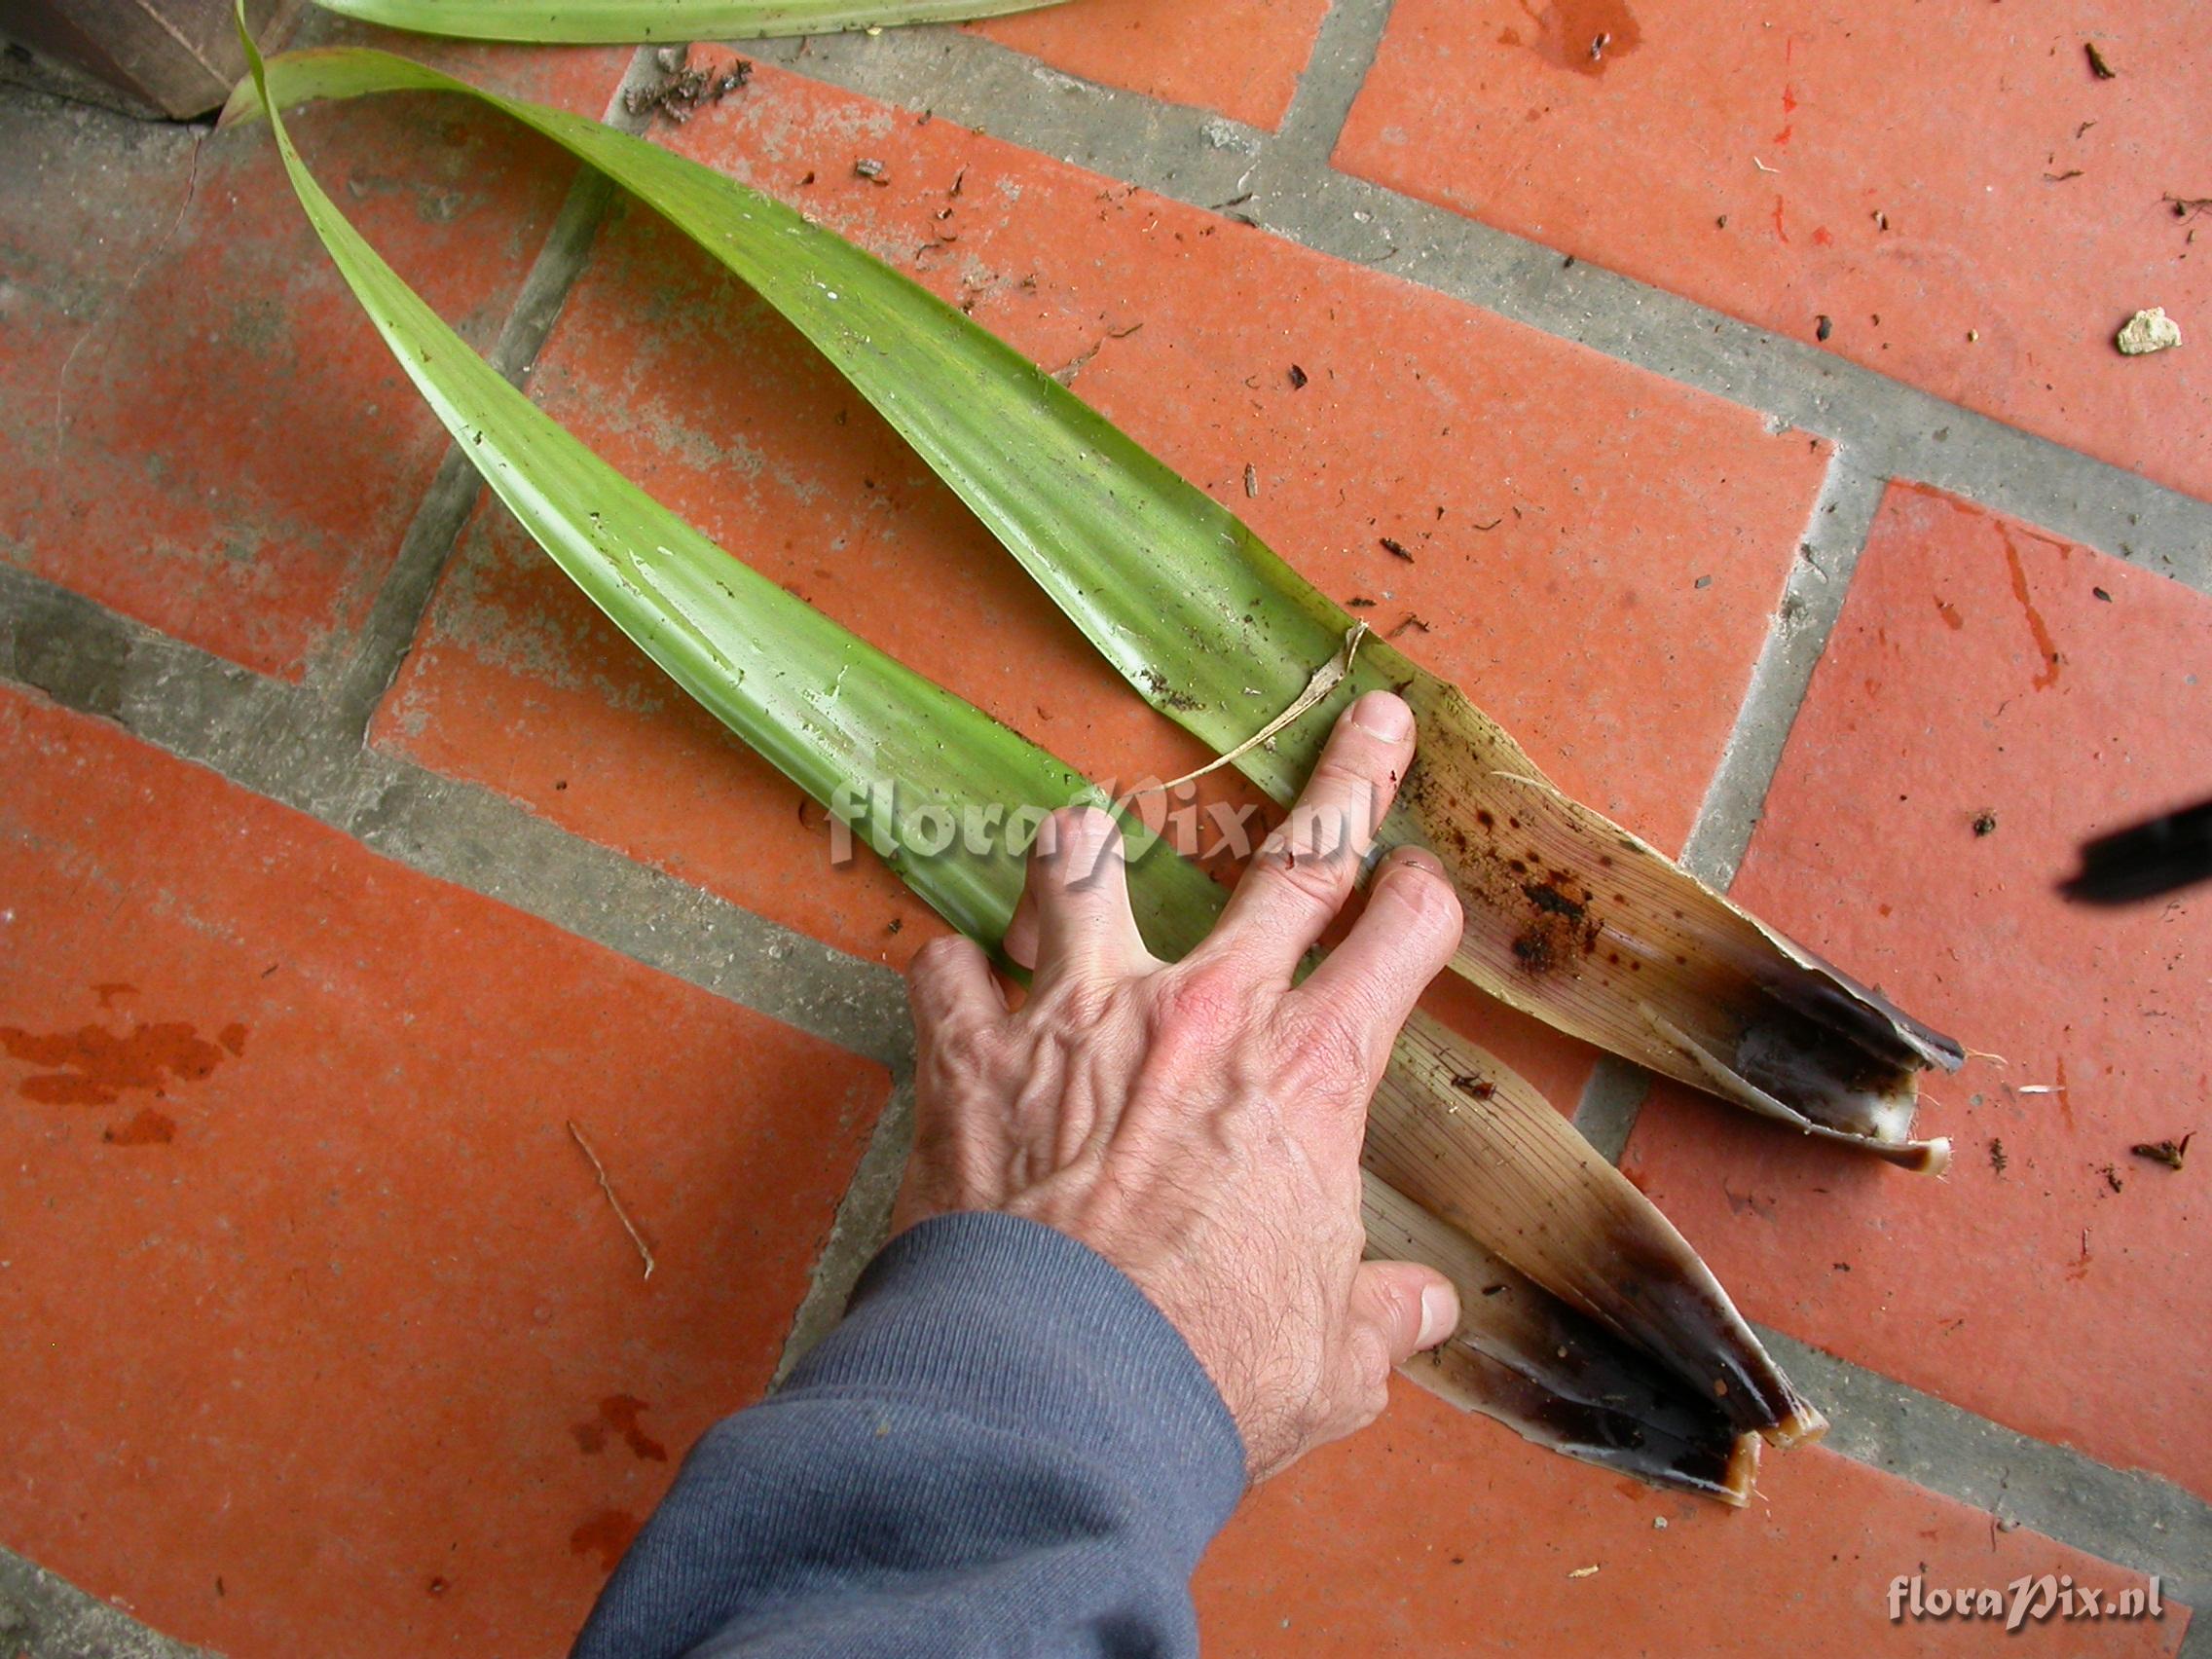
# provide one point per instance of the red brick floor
(340, 1347)
(2052, 1281)
(343, 1348)
(1238, 57)
(1436, 1534)
(1974, 210)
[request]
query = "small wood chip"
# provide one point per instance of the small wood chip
(1586, 1572)
(614, 1203)
(1251, 482)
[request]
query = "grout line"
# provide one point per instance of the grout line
(45, 1617)
(1200, 160)
(1181, 153)
(1812, 598)
(2129, 1517)
(1611, 1101)
(280, 743)
(862, 1224)
(1344, 52)
(362, 669)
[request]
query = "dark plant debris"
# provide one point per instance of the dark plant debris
(2167, 1151)
(2188, 207)
(1997, 1158)
(682, 93)
(1824, 325)
(2099, 593)
(2097, 64)
(1298, 378)
(2110, 1175)
(1359, 602)
(1395, 548)
(1411, 621)
(1477, 1089)
(1985, 824)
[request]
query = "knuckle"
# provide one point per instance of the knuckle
(962, 1052)
(1199, 999)
(937, 959)
(1331, 1047)
(1317, 880)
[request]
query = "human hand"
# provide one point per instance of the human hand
(1199, 1124)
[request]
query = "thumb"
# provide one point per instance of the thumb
(1408, 1305)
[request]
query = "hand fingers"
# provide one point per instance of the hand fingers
(1078, 889)
(949, 984)
(1402, 940)
(1403, 1307)
(1301, 876)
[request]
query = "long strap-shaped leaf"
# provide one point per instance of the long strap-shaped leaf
(1569, 918)
(587, 22)
(842, 720)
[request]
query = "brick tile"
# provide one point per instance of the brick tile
(1595, 552)
(198, 427)
(339, 1349)
(1241, 57)
(1977, 669)
(1436, 1533)
(2021, 194)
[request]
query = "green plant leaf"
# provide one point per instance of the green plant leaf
(1568, 916)
(589, 22)
(1561, 1228)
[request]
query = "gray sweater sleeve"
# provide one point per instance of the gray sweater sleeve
(1003, 1450)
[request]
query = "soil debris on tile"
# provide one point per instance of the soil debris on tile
(2110, 1175)
(1997, 1158)
(1395, 548)
(2147, 331)
(682, 92)
(2170, 1152)
(2099, 67)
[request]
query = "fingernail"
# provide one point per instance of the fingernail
(1439, 1313)
(1380, 714)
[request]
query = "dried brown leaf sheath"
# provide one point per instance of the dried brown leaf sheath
(1553, 1375)
(1456, 1132)
(1574, 919)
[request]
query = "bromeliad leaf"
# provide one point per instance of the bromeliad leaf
(587, 21)
(1684, 1389)
(1569, 918)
